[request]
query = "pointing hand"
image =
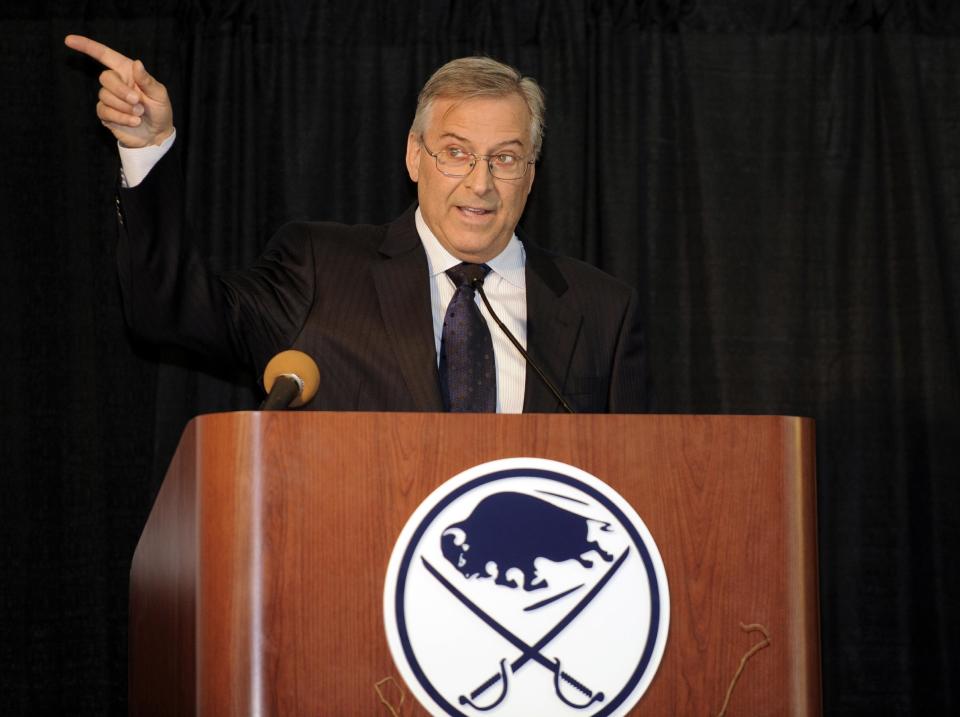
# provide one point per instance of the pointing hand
(133, 105)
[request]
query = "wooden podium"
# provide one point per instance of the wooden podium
(257, 585)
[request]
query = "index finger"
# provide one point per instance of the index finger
(98, 51)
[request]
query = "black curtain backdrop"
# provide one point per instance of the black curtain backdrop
(780, 180)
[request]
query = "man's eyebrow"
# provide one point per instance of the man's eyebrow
(464, 140)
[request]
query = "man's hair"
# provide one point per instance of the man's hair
(470, 77)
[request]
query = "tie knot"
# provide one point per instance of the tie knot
(466, 274)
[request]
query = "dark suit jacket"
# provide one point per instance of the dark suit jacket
(357, 299)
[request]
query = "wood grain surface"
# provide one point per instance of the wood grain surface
(257, 586)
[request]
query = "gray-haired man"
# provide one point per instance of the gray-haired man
(374, 304)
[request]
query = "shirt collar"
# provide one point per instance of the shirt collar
(508, 264)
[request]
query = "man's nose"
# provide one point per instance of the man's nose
(480, 180)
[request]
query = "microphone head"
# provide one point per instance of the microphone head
(296, 363)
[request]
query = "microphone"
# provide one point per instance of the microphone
(290, 379)
(477, 285)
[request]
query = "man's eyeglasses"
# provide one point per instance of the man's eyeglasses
(457, 162)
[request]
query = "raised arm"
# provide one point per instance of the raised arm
(170, 294)
(133, 105)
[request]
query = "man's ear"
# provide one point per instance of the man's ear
(413, 156)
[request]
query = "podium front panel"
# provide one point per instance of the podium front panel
(257, 586)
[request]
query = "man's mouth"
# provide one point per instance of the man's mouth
(475, 211)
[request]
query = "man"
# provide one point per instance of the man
(388, 312)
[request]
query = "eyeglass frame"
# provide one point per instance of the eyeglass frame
(487, 158)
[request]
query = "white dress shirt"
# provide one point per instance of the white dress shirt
(505, 285)
(506, 288)
(136, 162)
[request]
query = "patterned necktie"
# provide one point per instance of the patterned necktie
(468, 374)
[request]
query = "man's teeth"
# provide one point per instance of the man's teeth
(474, 210)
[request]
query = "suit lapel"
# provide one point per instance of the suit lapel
(553, 325)
(404, 295)
(553, 320)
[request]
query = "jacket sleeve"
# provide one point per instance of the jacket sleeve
(170, 295)
(629, 379)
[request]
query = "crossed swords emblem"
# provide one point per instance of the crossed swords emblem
(530, 652)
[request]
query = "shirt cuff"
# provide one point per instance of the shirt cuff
(136, 163)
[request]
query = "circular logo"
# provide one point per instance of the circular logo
(526, 587)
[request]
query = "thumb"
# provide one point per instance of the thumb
(147, 84)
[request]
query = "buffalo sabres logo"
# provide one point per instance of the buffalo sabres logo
(526, 587)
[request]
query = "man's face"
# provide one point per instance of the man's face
(473, 216)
